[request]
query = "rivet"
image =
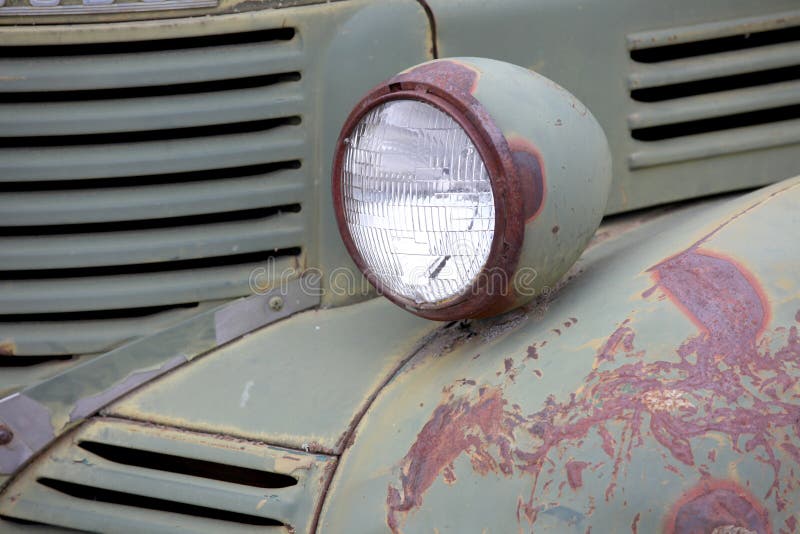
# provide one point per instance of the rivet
(5, 435)
(276, 303)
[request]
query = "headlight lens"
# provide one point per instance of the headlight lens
(417, 200)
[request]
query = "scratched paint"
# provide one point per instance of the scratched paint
(733, 378)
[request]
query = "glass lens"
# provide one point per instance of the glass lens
(417, 200)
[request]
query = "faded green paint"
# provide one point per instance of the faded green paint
(305, 383)
(300, 383)
(545, 121)
(41, 412)
(67, 461)
(472, 425)
(328, 50)
(583, 47)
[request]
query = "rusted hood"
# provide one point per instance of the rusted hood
(657, 390)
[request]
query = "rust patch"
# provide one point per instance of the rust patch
(450, 75)
(635, 523)
(731, 378)
(555, 229)
(530, 171)
(575, 473)
(7, 348)
(717, 504)
(6, 435)
(458, 426)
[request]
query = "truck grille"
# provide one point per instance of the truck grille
(714, 89)
(141, 180)
(121, 476)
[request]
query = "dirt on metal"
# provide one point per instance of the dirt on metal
(733, 378)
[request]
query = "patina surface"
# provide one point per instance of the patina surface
(667, 401)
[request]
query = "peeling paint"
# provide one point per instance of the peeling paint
(718, 506)
(730, 379)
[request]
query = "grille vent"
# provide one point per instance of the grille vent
(714, 89)
(115, 475)
(142, 180)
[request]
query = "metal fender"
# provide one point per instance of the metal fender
(657, 390)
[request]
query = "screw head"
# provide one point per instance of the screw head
(5, 435)
(276, 303)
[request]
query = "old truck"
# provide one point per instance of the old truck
(300, 266)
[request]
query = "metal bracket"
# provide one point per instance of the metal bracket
(37, 415)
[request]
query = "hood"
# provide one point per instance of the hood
(301, 383)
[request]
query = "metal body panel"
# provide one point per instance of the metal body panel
(94, 457)
(561, 40)
(41, 412)
(301, 383)
(222, 146)
(656, 390)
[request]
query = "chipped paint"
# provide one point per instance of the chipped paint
(88, 405)
(7, 348)
(727, 379)
(718, 506)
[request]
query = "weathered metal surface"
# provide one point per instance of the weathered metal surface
(83, 11)
(520, 148)
(596, 67)
(655, 390)
(242, 194)
(301, 383)
(41, 412)
(250, 484)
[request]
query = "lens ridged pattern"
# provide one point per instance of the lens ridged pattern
(417, 201)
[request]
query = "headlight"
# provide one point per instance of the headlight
(443, 185)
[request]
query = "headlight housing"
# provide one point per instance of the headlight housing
(442, 186)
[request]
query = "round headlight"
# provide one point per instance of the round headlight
(443, 182)
(417, 200)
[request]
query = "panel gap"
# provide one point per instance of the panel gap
(728, 122)
(90, 493)
(149, 180)
(715, 85)
(744, 41)
(147, 136)
(149, 268)
(86, 95)
(189, 466)
(156, 45)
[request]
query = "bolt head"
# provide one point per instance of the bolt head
(276, 303)
(5, 435)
